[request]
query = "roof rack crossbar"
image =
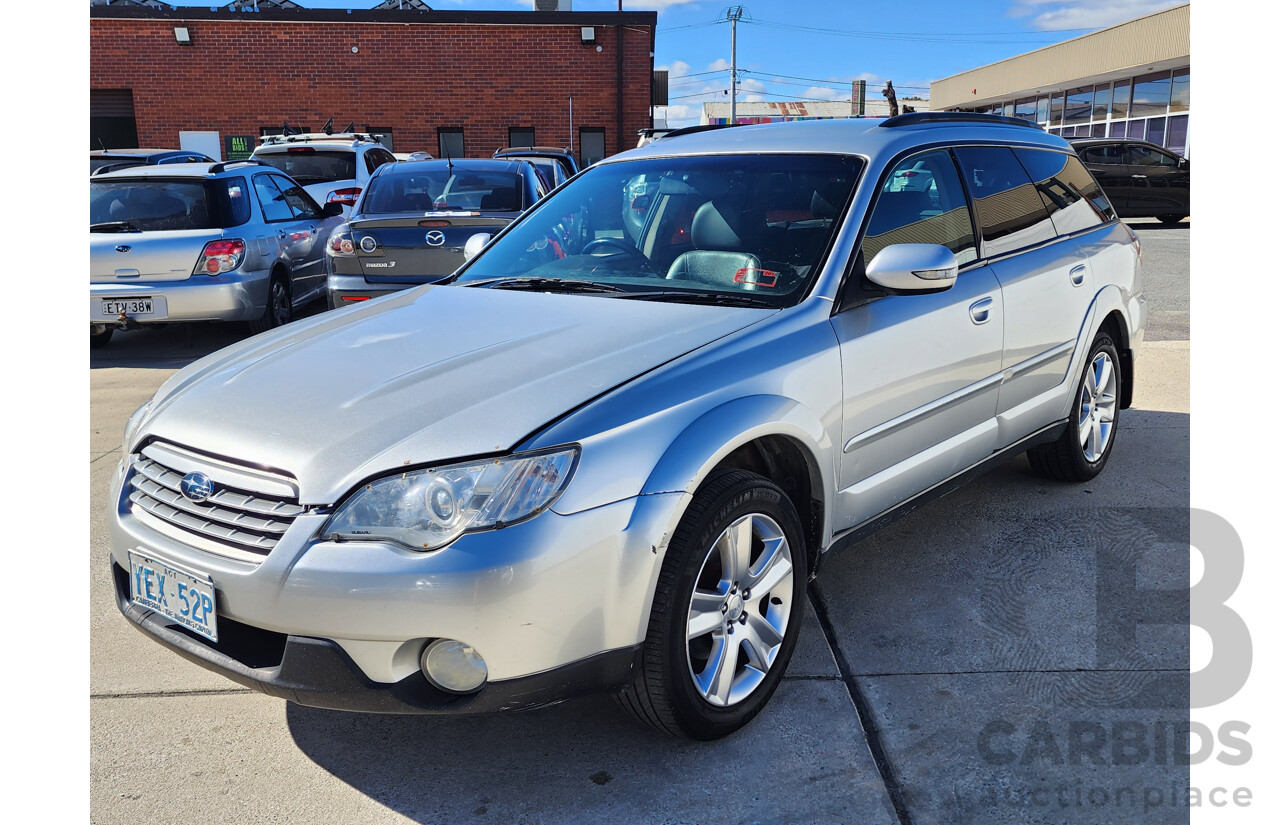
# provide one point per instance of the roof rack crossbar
(307, 137)
(916, 118)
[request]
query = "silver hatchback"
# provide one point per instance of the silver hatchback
(613, 461)
(234, 241)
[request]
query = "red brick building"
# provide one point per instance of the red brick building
(423, 78)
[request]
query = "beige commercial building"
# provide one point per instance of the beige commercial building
(1130, 80)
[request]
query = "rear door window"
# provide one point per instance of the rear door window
(274, 206)
(1112, 154)
(922, 201)
(1011, 214)
(1066, 188)
(1150, 156)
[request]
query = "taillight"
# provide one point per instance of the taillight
(340, 242)
(346, 197)
(219, 256)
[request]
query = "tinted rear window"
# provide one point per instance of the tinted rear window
(152, 204)
(437, 189)
(97, 163)
(1010, 211)
(307, 165)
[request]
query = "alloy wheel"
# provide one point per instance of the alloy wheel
(740, 609)
(1097, 407)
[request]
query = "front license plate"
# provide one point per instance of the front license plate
(185, 597)
(129, 306)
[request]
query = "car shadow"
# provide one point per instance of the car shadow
(173, 346)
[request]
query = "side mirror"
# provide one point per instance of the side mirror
(1182, 163)
(333, 209)
(913, 267)
(475, 243)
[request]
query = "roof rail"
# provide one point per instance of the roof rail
(222, 167)
(705, 127)
(914, 118)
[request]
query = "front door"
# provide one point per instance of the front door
(921, 372)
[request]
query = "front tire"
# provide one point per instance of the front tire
(726, 613)
(1171, 220)
(1082, 450)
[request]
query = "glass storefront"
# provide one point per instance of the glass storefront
(1152, 107)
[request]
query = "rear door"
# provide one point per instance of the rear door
(304, 238)
(1160, 185)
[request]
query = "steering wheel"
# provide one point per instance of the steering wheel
(620, 245)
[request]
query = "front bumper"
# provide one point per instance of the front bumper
(234, 296)
(318, 673)
(555, 605)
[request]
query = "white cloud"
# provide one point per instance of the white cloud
(825, 93)
(1084, 14)
(720, 65)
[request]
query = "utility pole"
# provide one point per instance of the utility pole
(734, 14)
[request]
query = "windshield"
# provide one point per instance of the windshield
(428, 190)
(752, 226)
(306, 164)
(152, 204)
(119, 160)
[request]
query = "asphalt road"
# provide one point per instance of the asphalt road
(1014, 652)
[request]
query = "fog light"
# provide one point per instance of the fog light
(454, 666)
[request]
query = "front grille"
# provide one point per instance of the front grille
(244, 519)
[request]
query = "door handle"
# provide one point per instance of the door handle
(1077, 275)
(980, 311)
(1139, 177)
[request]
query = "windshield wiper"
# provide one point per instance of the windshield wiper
(718, 298)
(547, 284)
(113, 226)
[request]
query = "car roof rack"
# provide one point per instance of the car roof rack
(916, 118)
(222, 167)
(691, 130)
(515, 150)
(307, 137)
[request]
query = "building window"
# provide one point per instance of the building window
(452, 144)
(1055, 110)
(1042, 110)
(1176, 138)
(1180, 100)
(111, 119)
(1137, 130)
(1025, 109)
(382, 134)
(1155, 131)
(1120, 101)
(1151, 95)
(1079, 105)
(520, 136)
(591, 145)
(1101, 101)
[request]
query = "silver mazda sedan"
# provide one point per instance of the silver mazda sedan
(604, 461)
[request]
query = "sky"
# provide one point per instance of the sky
(814, 49)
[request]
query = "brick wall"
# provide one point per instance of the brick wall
(241, 74)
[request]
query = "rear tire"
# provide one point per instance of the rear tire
(100, 339)
(715, 651)
(279, 310)
(1082, 450)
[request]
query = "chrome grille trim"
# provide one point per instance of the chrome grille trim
(240, 522)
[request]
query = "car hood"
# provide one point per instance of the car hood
(422, 376)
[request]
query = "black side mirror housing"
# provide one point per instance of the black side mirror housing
(332, 209)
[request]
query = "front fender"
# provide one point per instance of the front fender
(702, 445)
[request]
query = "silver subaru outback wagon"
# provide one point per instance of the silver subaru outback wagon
(606, 460)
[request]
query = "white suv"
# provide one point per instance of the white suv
(331, 168)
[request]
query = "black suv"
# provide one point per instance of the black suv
(1140, 179)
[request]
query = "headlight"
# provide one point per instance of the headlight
(426, 509)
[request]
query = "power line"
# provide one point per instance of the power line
(825, 81)
(893, 37)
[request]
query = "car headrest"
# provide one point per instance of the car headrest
(501, 199)
(826, 201)
(721, 225)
